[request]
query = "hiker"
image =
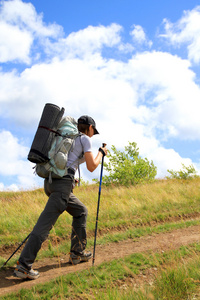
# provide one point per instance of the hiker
(62, 199)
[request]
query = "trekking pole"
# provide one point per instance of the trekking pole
(103, 145)
(16, 250)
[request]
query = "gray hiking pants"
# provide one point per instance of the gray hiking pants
(60, 199)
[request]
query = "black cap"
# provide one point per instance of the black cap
(88, 121)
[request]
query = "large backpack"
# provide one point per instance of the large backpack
(63, 134)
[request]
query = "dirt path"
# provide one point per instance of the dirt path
(50, 268)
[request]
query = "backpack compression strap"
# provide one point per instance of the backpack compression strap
(56, 132)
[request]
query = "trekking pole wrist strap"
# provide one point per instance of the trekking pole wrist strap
(101, 150)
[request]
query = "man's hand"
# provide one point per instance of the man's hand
(103, 149)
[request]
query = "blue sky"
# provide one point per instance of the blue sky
(132, 65)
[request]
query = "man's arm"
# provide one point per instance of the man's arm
(91, 162)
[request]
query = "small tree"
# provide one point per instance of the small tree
(185, 173)
(128, 168)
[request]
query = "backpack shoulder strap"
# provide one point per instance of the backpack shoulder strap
(80, 134)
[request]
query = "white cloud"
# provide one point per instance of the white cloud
(147, 98)
(139, 36)
(167, 93)
(95, 37)
(141, 100)
(138, 33)
(185, 31)
(92, 40)
(144, 90)
(167, 159)
(12, 187)
(20, 26)
(14, 43)
(13, 162)
(24, 28)
(24, 16)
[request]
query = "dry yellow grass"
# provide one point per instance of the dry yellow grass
(118, 206)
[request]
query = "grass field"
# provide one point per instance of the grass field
(125, 213)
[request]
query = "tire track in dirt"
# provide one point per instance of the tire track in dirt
(52, 268)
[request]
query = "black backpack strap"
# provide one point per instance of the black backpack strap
(82, 153)
(80, 156)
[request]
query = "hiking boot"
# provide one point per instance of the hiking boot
(24, 273)
(76, 258)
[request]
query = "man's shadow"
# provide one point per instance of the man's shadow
(7, 278)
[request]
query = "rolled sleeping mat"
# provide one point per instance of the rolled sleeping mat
(51, 116)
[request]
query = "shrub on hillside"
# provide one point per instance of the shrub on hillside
(184, 173)
(128, 168)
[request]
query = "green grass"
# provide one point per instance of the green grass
(52, 249)
(175, 275)
(125, 213)
(120, 207)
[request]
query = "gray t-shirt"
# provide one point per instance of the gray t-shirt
(81, 144)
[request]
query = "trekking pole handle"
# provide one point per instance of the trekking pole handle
(102, 151)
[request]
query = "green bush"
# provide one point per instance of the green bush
(185, 173)
(128, 168)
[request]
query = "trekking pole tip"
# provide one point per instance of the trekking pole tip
(3, 266)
